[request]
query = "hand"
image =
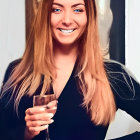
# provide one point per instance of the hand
(38, 118)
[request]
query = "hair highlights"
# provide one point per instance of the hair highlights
(93, 82)
(38, 60)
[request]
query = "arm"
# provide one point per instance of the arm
(125, 88)
(25, 124)
(11, 127)
(131, 103)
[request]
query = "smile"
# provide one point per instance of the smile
(66, 31)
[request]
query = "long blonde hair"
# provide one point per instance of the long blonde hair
(37, 60)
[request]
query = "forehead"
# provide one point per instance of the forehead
(69, 2)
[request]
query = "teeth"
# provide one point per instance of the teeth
(66, 31)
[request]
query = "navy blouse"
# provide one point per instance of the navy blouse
(71, 121)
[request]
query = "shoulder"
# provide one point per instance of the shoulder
(112, 65)
(116, 68)
(8, 72)
(122, 81)
(10, 69)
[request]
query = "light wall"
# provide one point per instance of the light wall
(133, 37)
(12, 32)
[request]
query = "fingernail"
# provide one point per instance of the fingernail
(46, 126)
(54, 108)
(42, 109)
(50, 115)
(52, 121)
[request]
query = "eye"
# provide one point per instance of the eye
(56, 10)
(78, 10)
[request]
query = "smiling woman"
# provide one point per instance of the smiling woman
(68, 21)
(63, 56)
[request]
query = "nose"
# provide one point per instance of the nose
(67, 18)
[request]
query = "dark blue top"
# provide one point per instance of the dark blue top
(71, 121)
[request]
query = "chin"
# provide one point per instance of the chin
(66, 42)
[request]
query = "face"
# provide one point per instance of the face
(68, 20)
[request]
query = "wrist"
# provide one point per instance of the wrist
(27, 135)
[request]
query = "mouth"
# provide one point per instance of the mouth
(66, 30)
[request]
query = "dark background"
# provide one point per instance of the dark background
(117, 33)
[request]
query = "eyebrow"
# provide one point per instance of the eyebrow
(71, 6)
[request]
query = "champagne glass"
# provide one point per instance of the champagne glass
(43, 100)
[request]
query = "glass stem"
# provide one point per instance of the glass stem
(47, 134)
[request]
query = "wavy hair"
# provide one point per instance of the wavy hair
(38, 60)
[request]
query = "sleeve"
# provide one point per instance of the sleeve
(6, 76)
(126, 89)
(11, 126)
(130, 103)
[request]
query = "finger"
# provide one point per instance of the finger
(52, 110)
(35, 110)
(39, 128)
(52, 104)
(38, 123)
(41, 117)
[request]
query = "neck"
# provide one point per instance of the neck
(65, 53)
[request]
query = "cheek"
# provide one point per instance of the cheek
(82, 21)
(52, 21)
(85, 20)
(55, 20)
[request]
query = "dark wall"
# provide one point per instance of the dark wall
(117, 33)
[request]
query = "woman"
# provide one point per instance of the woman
(63, 55)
